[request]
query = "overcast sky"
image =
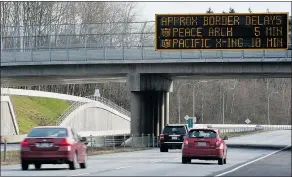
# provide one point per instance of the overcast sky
(147, 10)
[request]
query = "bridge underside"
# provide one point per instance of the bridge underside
(35, 80)
(101, 73)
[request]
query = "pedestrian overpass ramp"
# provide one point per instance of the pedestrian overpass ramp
(96, 119)
(96, 115)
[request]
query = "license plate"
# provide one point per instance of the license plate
(174, 138)
(44, 145)
(201, 143)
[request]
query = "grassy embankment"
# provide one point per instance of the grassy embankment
(37, 111)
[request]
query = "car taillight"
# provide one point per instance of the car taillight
(161, 136)
(65, 142)
(219, 145)
(186, 143)
(24, 143)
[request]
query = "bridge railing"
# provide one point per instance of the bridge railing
(79, 103)
(68, 111)
(111, 105)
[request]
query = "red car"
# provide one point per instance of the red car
(204, 144)
(53, 145)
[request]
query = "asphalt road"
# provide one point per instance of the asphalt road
(142, 163)
(154, 163)
(278, 164)
(275, 138)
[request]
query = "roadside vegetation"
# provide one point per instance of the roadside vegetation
(37, 111)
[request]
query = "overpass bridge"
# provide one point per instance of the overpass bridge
(82, 53)
(96, 115)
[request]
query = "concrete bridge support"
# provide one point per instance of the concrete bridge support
(149, 103)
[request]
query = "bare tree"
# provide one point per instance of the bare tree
(231, 10)
(209, 11)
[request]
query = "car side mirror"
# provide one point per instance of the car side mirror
(225, 138)
(83, 140)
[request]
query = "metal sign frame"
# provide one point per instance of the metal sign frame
(219, 14)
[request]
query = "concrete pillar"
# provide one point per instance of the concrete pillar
(166, 107)
(154, 123)
(158, 113)
(148, 105)
(148, 112)
(143, 121)
(162, 115)
(135, 113)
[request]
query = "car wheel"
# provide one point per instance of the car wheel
(185, 160)
(84, 164)
(221, 161)
(225, 159)
(37, 166)
(72, 165)
(24, 165)
(163, 149)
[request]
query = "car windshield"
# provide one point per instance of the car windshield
(48, 132)
(202, 134)
(174, 129)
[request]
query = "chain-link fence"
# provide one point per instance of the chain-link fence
(122, 141)
(78, 42)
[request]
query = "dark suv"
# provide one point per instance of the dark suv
(172, 137)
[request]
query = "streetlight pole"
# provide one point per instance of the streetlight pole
(269, 122)
(178, 98)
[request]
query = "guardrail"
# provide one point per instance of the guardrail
(232, 126)
(111, 105)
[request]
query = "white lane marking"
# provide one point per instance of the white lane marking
(165, 160)
(156, 161)
(123, 167)
(252, 161)
(82, 174)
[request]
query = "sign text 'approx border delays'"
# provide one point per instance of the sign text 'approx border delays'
(222, 31)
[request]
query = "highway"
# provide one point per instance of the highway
(283, 138)
(142, 163)
(154, 163)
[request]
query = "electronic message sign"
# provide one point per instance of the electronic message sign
(226, 31)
